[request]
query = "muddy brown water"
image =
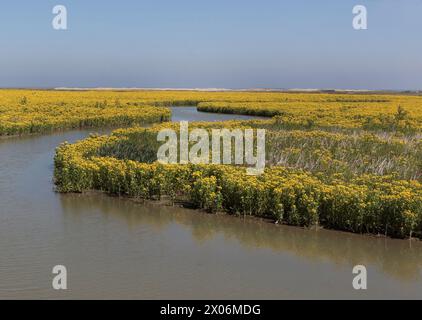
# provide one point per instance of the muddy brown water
(117, 248)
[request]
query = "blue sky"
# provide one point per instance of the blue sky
(230, 43)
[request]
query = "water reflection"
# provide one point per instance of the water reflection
(399, 258)
(191, 114)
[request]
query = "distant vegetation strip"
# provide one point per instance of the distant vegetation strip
(395, 114)
(34, 111)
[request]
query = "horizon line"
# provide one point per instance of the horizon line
(210, 89)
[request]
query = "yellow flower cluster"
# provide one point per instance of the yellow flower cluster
(388, 113)
(27, 112)
(358, 203)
